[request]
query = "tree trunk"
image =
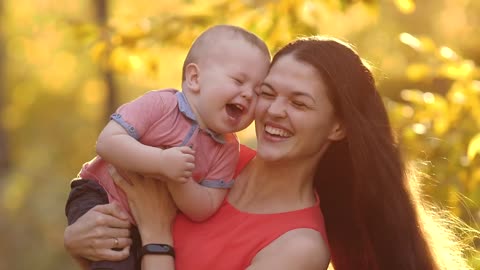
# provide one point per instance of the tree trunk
(111, 103)
(4, 151)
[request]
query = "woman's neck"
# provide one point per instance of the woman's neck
(268, 187)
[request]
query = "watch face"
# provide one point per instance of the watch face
(158, 248)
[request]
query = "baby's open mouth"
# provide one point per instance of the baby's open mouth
(235, 110)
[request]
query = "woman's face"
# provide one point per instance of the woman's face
(294, 117)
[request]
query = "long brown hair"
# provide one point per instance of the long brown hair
(371, 218)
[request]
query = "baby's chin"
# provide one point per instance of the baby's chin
(243, 125)
(228, 130)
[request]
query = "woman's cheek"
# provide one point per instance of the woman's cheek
(261, 107)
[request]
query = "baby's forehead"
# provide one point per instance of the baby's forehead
(220, 38)
(216, 40)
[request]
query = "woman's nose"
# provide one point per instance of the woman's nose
(277, 108)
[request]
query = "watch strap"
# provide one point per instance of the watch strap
(158, 249)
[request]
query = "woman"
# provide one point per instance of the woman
(322, 130)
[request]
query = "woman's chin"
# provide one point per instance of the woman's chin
(269, 154)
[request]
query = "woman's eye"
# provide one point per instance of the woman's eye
(266, 94)
(299, 104)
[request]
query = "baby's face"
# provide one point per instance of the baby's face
(229, 81)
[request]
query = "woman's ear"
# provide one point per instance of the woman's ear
(339, 132)
(192, 74)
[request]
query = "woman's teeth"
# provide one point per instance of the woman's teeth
(277, 131)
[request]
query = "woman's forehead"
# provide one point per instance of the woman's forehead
(290, 72)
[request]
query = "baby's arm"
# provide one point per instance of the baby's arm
(117, 147)
(200, 201)
(196, 201)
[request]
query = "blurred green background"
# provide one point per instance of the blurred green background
(65, 67)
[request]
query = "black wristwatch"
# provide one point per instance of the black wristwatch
(159, 249)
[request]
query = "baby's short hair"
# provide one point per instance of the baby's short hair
(217, 32)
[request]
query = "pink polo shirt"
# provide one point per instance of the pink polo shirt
(163, 118)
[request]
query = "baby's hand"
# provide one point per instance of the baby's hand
(178, 163)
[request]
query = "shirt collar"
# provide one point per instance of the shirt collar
(187, 111)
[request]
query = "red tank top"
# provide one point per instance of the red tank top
(230, 239)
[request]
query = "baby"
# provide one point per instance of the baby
(183, 138)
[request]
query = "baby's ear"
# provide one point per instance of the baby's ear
(192, 72)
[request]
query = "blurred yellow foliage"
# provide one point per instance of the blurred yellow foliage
(418, 71)
(405, 6)
(15, 192)
(57, 93)
(463, 70)
(474, 147)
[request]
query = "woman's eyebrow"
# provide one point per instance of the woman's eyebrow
(294, 93)
(300, 93)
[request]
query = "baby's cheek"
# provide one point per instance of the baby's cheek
(248, 119)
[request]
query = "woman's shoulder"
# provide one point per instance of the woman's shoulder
(301, 248)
